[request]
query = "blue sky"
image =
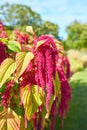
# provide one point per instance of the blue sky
(62, 12)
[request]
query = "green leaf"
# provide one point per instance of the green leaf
(2, 89)
(50, 106)
(56, 84)
(51, 103)
(30, 30)
(9, 120)
(31, 100)
(4, 40)
(57, 91)
(7, 67)
(22, 61)
(14, 46)
(30, 125)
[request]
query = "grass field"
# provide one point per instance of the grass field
(77, 116)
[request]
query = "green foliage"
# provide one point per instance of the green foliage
(14, 46)
(30, 94)
(77, 35)
(47, 27)
(20, 16)
(76, 65)
(78, 59)
(80, 76)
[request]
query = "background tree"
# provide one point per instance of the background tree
(20, 16)
(49, 28)
(77, 35)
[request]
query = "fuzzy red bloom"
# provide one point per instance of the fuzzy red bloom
(3, 53)
(65, 94)
(46, 65)
(21, 37)
(66, 66)
(3, 33)
(54, 110)
(6, 94)
(49, 61)
(50, 73)
(28, 77)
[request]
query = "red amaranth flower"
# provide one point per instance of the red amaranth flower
(50, 73)
(28, 77)
(65, 94)
(48, 41)
(35, 121)
(66, 66)
(54, 110)
(6, 94)
(47, 56)
(3, 33)
(22, 38)
(63, 63)
(41, 68)
(3, 53)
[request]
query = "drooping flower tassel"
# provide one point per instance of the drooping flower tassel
(3, 53)
(6, 94)
(50, 73)
(65, 95)
(66, 66)
(28, 77)
(3, 33)
(53, 114)
(46, 63)
(41, 67)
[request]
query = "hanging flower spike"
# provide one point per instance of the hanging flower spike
(50, 73)
(50, 42)
(3, 53)
(1, 27)
(54, 110)
(65, 95)
(3, 47)
(22, 38)
(6, 94)
(35, 121)
(3, 33)
(66, 66)
(62, 59)
(47, 56)
(41, 68)
(28, 77)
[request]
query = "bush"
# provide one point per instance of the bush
(78, 60)
(33, 81)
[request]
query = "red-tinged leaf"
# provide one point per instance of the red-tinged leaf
(30, 30)
(9, 120)
(57, 91)
(31, 100)
(22, 61)
(56, 83)
(39, 43)
(7, 67)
